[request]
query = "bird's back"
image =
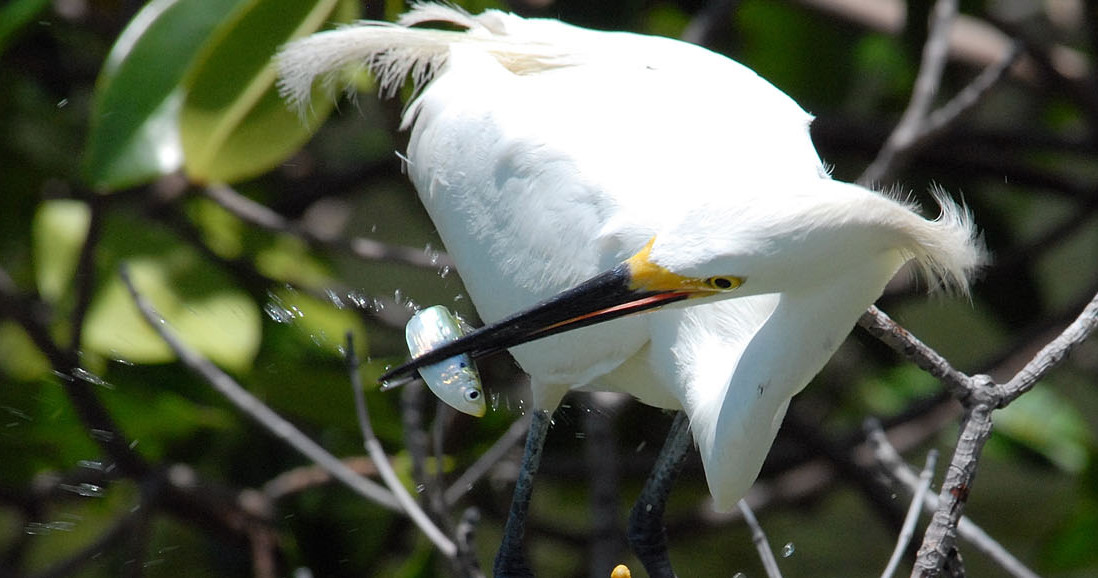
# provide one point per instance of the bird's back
(546, 153)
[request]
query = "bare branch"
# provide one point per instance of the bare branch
(514, 434)
(85, 271)
(1053, 353)
(966, 100)
(465, 534)
(899, 471)
(762, 545)
(917, 500)
(33, 316)
(363, 248)
(255, 409)
(381, 461)
(939, 541)
(907, 131)
(300, 479)
(881, 326)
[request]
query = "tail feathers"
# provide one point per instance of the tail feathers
(948, 250)
(395, 52)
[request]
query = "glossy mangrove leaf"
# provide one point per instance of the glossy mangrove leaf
(59, 230)
(134, 135)
(211, 315)
(233, 123)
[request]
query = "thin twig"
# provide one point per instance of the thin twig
(361, 247)
(1053, 354)
(381, 461)
(912, 518)
(887, 455)
(881, 326)
(84, 279)
(907, 131)
(465, 533)
(33, 316)
(510, 438)
(770, 564)
(302, 478)
(970, 96)
(255, 409)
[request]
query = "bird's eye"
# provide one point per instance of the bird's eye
(722, 283)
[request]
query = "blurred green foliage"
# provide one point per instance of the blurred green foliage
(114, 116)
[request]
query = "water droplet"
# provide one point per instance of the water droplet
(43, 528)
(83, 489)
(640, 446)
(62, 103)
(36, 529)
(335, 299)
(444, 272)
(459, 297)
(102, 434)
(739, 575)
(90, 465)
(16, 412)
(648, 507)
(420, 488)
(580, 435)
(85, 375)
(117, 357)
(493, 400)
(277, 312)
(788, 550)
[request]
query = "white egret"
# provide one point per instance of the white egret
(632, 172)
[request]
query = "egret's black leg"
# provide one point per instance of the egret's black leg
(646, 532)
(511, 561)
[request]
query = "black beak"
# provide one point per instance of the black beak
(604, 297)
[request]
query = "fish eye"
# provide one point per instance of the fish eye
(723, 283)
(472, 395)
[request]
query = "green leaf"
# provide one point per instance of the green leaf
(1045, 422)
(59, 230)
(20, 358)
(233, 123)
(134, 136)
(208, 313)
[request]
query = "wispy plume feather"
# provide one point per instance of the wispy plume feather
(396, 52)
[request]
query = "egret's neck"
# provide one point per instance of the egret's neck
(740, 388)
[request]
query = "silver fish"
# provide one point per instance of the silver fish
(455, 381)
